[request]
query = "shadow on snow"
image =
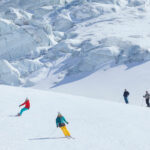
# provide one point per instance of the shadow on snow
(46, 138)
(73, 78)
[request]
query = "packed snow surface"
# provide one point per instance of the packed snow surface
(95, 124)
(51, 40)
(109, 83)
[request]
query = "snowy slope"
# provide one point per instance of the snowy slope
(95, 124)
(51, 40)
(109, 84)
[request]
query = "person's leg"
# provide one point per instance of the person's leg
(63, 130)
(66, 131)
(126, 100)
(22, 110)
(147, 102)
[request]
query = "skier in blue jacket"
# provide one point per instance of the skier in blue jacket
(60, 122)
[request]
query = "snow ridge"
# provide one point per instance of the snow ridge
(51, 41)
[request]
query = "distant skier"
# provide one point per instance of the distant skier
(147, 96)
(27, 106)
(125, 95)
(60, 122)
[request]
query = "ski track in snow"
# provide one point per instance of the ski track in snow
(95, 124)
(92, 48)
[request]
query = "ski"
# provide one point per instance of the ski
(70, 137)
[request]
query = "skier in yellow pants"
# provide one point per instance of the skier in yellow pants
(60, 122)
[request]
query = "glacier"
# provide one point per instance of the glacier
(52, 41)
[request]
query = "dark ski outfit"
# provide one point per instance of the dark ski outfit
(60, 122)
(147, 96)
(125, 95)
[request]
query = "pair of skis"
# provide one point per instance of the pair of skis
(70, 137)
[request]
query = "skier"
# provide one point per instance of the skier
(147, 96)
(27, 106)
(60, 122)
(125, 95)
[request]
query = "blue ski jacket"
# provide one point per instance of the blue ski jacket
(60, 121)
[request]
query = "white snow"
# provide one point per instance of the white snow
(109, 84)
(91, 48)
(95, 124)
(72, 37)
(9, 75)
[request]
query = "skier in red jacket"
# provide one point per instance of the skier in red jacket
(27, 106)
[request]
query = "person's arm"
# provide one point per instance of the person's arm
(22, 104)
(65, 120)
(56, 122)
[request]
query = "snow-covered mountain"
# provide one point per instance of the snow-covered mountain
(103, 45)
(52, 41)
(95, 124)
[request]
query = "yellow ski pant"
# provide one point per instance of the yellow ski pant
(65, 131)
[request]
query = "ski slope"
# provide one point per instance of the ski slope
(109, 83)
(95, 124)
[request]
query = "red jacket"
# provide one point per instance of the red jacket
(27, 104)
